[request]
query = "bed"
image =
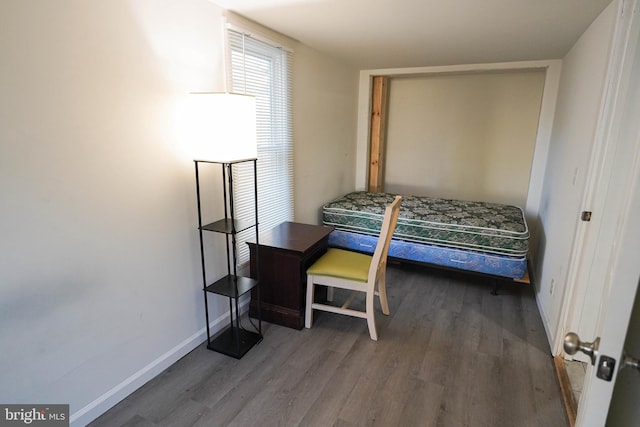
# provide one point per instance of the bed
(481, 237)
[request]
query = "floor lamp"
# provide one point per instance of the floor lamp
(224, 134)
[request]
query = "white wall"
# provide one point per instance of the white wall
(463, 136)
(100, 264)
(324, 133)
(551, 69)
(578, 108)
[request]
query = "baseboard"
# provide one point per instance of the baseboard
(543, 314)
(545, 324)
(112, 397)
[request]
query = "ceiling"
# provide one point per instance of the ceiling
(371, 34)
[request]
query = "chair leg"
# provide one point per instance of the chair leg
(382, 294)
(330, 290)
(308, 314)
(371, 320)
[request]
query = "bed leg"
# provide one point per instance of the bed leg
(496, 287)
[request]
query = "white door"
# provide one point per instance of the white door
(614, 320)
(621, 245)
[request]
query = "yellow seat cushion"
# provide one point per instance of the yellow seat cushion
(343, 264)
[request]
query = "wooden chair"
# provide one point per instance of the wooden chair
(358, 272)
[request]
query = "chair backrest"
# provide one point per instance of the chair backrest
(379, 261)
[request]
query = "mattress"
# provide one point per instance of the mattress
(488, 228)
(497, 265)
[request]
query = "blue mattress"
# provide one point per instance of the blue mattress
(464, 259)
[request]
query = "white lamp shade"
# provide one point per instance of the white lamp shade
(222, 127)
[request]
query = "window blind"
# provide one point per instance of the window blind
(263, 70)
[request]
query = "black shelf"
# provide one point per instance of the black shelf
(234, 342)
(225, 226)
(227, 286)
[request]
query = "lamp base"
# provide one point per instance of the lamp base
(234, 342)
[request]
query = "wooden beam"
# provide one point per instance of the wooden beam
(377, 143)
(570, 404)
(525, 279)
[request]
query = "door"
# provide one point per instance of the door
(624, 409)
(619, 248)
(614, 322)
(588, 268)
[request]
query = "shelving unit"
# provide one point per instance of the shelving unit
(233, 341)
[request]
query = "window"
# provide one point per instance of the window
(263, 70)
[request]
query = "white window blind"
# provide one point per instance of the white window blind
(263, 70)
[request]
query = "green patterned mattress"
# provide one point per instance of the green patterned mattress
(478, 226)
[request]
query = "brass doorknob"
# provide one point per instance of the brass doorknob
(572, 345)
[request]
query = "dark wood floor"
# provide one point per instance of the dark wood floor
(450, 354)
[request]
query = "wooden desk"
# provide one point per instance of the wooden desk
(285, 254)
